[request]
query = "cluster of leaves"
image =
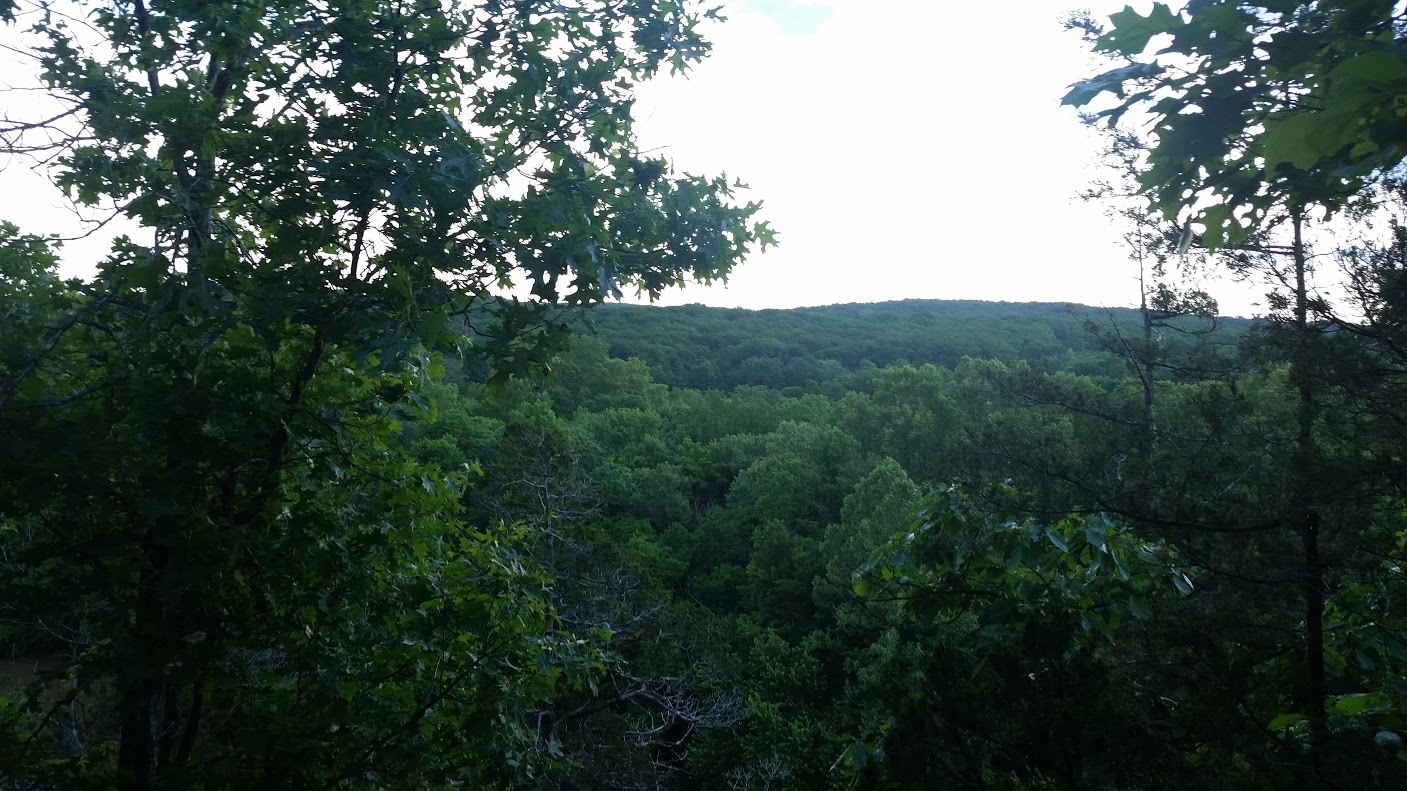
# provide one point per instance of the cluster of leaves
(252, 586)
(209, 524)
(1263, 113)
(1250, 99)
(1011, 570)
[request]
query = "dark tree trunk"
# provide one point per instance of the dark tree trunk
(1305, 464)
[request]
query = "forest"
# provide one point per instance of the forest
(349, 470)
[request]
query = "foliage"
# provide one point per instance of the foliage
(252, 534)
(827, 350)
(209, 516)
(1017, 571)
(1249, 99)
(304, 618)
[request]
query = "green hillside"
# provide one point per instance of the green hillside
(704, 347)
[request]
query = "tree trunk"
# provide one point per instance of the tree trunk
(1147, 437)
(1304, 473)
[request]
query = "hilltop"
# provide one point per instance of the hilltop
(706, 347)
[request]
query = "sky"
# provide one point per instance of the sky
(902, 149)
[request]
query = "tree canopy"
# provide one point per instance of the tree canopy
(206, 514)
(1247, 100)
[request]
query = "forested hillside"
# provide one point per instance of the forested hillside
(980, 575)
(346, 473)
(704, 348)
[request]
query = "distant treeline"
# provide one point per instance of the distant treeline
(813, 349)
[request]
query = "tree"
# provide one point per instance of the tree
(1248, 95)
(224, 616)
(1152, 241)
(204, 509)
(1264, 112)
(909, 417)
(1032, 613)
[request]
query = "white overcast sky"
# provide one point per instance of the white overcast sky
(902, 148)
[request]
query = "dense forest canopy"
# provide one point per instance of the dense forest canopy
(706, 348)
(296, 494)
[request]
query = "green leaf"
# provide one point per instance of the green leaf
(1283, 721)
(1017, 556)
(1094, 623)
(1114, 81)
(1131, 31)
(1215, 218)
(1375, 70)
(1095, 532)
(1183, 583)
(1359, 703)
(1138, 607)
(1302, 139)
